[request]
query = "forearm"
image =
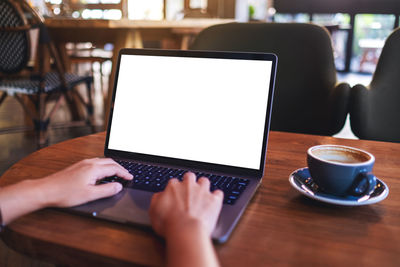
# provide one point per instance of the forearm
(190, 247)
(21, 198)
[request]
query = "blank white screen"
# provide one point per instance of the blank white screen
(202, 109)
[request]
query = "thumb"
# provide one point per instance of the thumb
(105, 190)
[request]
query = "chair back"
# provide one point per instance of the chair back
(305, 100)
(17, 20)
(388, 68)
(14, 38)
(375, 109)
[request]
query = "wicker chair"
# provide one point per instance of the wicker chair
(34, 87)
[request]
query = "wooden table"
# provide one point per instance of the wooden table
(123, 33)
(280, 226)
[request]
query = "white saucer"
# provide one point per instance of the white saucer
(380, 193)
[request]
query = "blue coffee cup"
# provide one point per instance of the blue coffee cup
(342, 170)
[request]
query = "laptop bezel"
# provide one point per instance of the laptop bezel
(189, 164)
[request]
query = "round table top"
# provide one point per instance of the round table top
(279, 227)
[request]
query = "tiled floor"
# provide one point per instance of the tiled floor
(16, 145)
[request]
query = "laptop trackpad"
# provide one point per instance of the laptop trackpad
(128, 206)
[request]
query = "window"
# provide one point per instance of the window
(149, 9)
(370, 33)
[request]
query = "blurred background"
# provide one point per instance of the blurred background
(358, 30)
(368, 25)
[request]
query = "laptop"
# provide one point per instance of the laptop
(176, 111)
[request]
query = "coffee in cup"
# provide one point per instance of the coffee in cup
(341, 170)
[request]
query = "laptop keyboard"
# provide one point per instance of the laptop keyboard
(154, 179)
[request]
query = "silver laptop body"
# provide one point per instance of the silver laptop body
(201, 111)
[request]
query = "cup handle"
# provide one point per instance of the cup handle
(364, 184)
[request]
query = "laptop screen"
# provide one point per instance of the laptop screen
(210, 110)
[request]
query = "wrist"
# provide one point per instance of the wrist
(189, 244)
(41, 192)
(185, 228)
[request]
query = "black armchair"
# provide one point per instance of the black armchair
(375, 109)
(308, 98)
